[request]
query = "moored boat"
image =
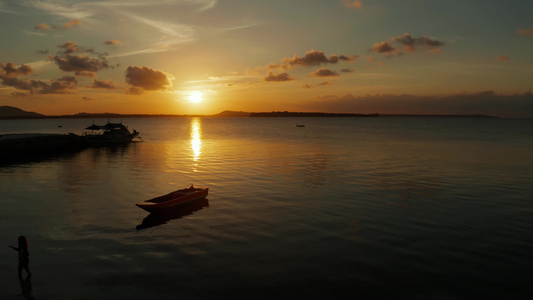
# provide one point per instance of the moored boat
(174, 199)
(110, 133)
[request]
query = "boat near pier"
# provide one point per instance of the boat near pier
(23, 144)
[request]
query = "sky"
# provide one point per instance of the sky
(205, 56)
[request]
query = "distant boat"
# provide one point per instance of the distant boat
(300, 125)
(110, 133)
(174, 199)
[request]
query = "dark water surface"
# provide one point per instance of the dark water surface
(384, 208)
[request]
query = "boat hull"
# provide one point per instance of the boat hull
(173, 200)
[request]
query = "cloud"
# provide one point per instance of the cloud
(348, 70)
(44, 26)
(68, 59)
(486, 102)
(73, 23)
(503, 58)
(63, 85)
(324, 72)
(353, 4)
(10, 70)
(85, 74)
(525, 32)
(272, 77)
(312, 58)
(406, 43)
(104, 84)
(146, 79)
(112, 42)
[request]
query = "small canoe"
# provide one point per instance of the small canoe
(173, 200)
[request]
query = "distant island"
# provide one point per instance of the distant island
(9, 112)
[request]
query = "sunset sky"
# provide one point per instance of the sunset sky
(205, 56)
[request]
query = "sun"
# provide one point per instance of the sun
(196, 97)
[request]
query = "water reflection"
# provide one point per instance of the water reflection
(156, 219)
(25, 287)
(196, 141)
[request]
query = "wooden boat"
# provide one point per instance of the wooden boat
(175, 199)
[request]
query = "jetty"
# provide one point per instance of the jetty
(39, 143)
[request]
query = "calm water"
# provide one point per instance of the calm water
(341, 209)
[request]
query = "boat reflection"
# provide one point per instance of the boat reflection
(156, 219)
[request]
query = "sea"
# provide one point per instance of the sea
(343, 208)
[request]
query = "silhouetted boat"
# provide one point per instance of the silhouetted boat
(112, 133)
(175, 199)
(300, 125)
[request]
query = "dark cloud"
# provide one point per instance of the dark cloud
(383, 47)
(9, 74)
(44, 26)
(348, 70)
(311, 58)
(272, 77)
(134, 91)
(406, 43)
(112, 42)
(63, 85)
(104, 84)
(44, 51)
(324, 72)
(144, 78)
(85, 74)
(11, 70)
(487, 102)
(73, 58)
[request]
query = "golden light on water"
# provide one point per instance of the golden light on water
(196, 140)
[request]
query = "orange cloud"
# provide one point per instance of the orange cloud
(73, 23)
(44, 26)
(525, 32)
(353, 4)
(503, 58)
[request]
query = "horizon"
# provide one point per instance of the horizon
(203, 57)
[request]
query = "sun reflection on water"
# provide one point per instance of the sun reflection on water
(196, 141)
